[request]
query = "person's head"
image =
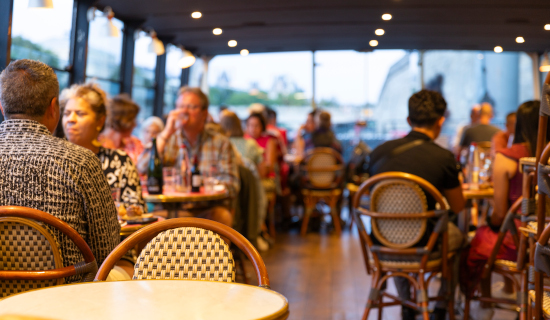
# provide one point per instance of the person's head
(310, 122)
(194, 104)
(322, 120)
(271, 116)
(527, 125)
(84, 112)
(122, 113)
(511, 122)
(151, 128)
(427, 111)
(29, 90)
(485, 113)
(255, 125)
(231, 124)
(474, 114)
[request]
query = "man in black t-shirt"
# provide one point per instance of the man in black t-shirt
(481, 131)
(420, 156)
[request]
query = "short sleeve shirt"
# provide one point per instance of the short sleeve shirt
(478, 133)
(428, 161)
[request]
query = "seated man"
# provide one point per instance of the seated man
(186, 124)
(417, 154)
(482, 131)
(40, 171)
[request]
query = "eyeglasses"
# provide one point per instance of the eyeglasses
(191, 107)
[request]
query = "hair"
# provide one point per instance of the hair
(198, 92)
(122, 112)
(231, 123)
(89, 92)
(426, 107)
(261, 118)
(153, 120)
(271, 114)
(510, 115)
(324, 120)
(527, 125)
(27, 87)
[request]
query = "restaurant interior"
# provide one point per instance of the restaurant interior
(254, 203)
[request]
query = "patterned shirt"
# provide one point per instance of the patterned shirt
(132, 145)
(121, 173)
(40, 171)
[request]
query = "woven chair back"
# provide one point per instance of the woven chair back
(26, 245)
(398, 196)
(187, 253)
(317, 176)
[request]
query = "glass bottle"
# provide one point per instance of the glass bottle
(183, 170)
(196, 179)
(154, 171)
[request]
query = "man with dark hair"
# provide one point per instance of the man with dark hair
(40, 171)
(417, 154)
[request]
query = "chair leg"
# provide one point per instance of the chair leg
(423, 297)
(466, 315)
(336, 220)
(307, 212)
(374, 295)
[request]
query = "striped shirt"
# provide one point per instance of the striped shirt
(40, 171)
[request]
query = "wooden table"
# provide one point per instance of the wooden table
(171, 201)
(149, 299)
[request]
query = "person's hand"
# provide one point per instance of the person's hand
(176, 119)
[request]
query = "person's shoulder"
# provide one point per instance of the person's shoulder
(71, 152)
(110, 153)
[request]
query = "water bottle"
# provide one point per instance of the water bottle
(473, 167)
(183, 170)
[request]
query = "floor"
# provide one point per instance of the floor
(323, 277)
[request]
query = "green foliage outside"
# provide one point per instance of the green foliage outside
(220, 96)
(22, 48)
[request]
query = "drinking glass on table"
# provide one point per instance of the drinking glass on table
(169, 177)
(210, 179)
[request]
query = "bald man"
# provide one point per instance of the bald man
(482, 131)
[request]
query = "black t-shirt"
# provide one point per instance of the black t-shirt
(478, 133)
(428, 161)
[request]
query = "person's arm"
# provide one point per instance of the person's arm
(499, 142)
(455, 198)
(173, 122)
(504, 169)
(100, 211)
(228, 170)
(271, 157)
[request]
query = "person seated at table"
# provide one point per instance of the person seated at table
(322, 136)
(256, 126)
(83, 108)
(186, 124)
(507, 181)
(272, 124)
(303, 134)
(417, 154)
(121, 121)
(482, 131)
(40, 171)
(502, 139)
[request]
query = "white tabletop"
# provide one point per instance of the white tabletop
(149, 299)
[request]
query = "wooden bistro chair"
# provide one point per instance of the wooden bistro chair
(322, 170)
(30, 254)
(399, 218)
(187, 249)
(508, 269)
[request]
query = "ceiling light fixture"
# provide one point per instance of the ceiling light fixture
(232, 43)
(156, 46)
(498, 49)
(379, 32)
(244, 52)
(547, 27)
(545, 63)
(40, 4)
(373, 43)
(196, 15)
(107, 28)
(187, 60)
(520, 40)
(217, 31)
(386, 16)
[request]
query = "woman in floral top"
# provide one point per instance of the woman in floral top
(83, 118)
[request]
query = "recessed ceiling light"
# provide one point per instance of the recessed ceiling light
(217, 31)
(386, 16)
(232, 43)
(498, 49)
(244, 52)
(373, 43)
(547, 27)
(379, 32)
(196, 15)
(520, 40)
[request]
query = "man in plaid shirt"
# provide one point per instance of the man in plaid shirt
(186, 125)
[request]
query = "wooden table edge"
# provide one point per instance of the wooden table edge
(175, 198)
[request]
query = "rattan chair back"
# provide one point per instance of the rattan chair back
(323, 168)
(186, 253)
(398, 196)
(26, 245)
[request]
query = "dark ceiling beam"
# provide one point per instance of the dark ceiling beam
(127, 59)
(79, 41)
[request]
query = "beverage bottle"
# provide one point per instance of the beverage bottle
(183, 170)
(154, 171)
(196, 179)
(473, 167)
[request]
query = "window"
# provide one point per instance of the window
(43, 35)
(173, 78)
(143, 91)
(104, 55)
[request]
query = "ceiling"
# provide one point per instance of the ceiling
(297, 25)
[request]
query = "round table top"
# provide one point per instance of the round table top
(186, 197)
(149, 299)
(478, 194)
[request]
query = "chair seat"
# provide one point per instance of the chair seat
(545, 302)
(506, 265)
(410, 265)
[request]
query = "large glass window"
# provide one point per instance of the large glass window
(43, 35)
(104, 55)
(173, 77)
(143, 91)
